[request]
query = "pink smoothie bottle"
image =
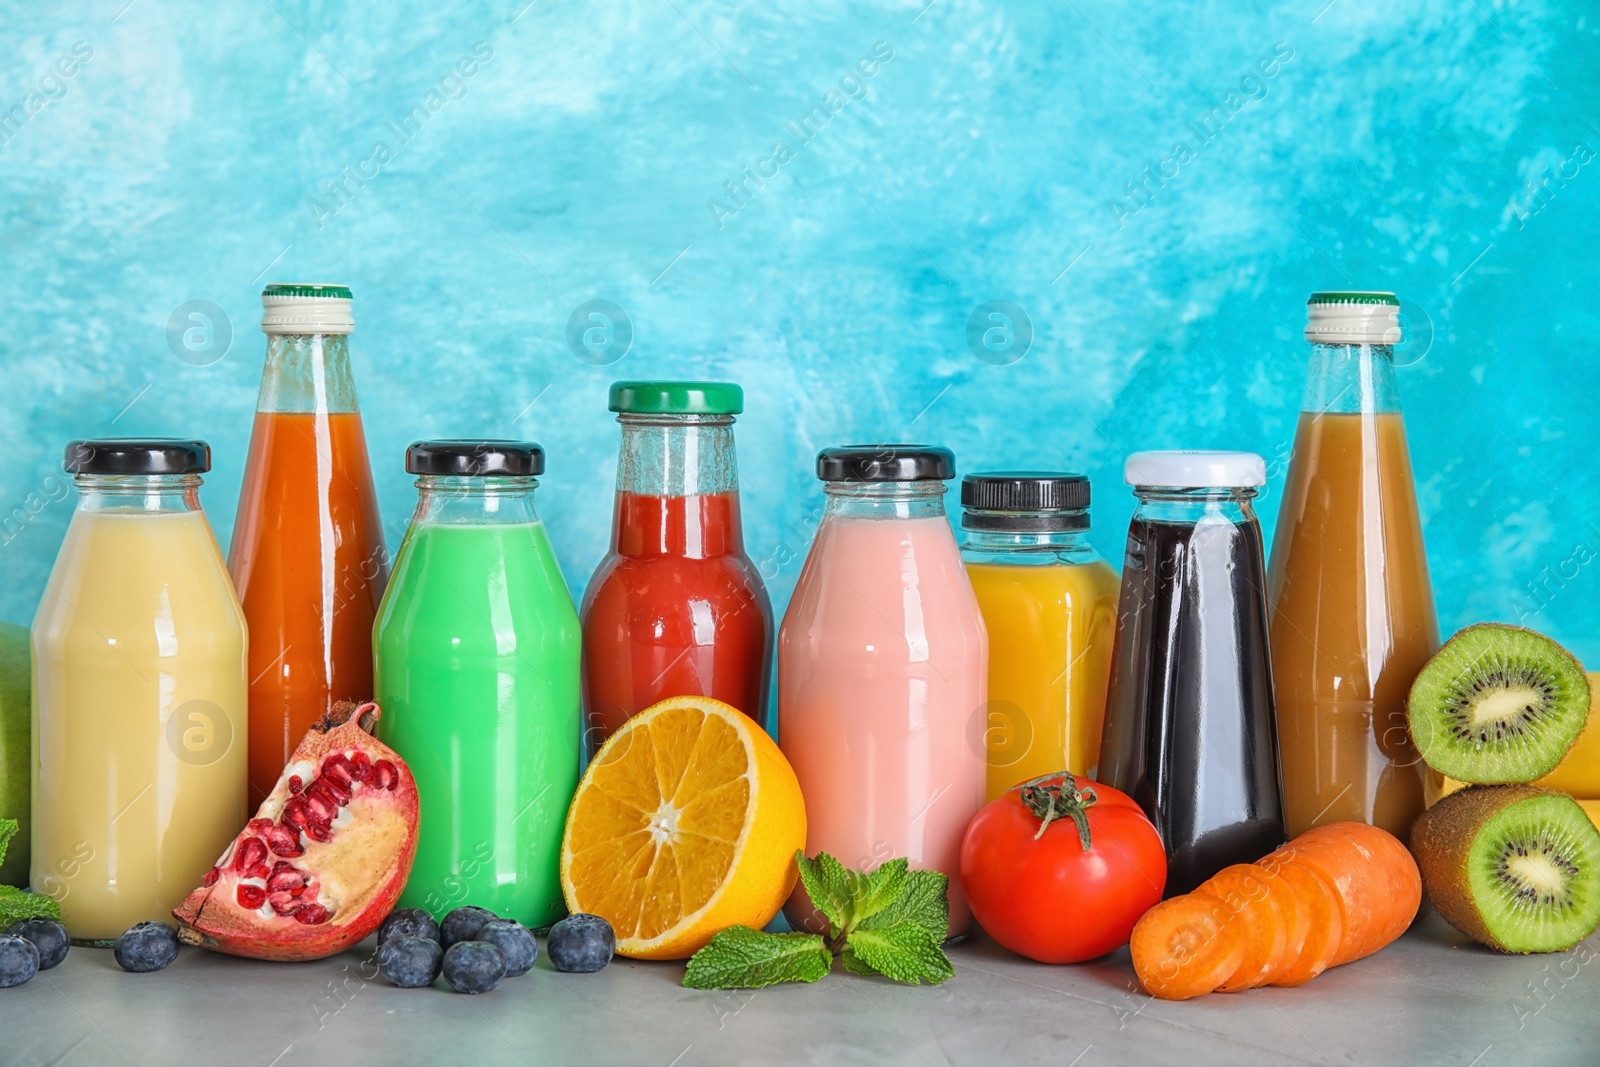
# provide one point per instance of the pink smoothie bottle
(883, 667)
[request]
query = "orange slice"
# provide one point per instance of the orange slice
(686, 823)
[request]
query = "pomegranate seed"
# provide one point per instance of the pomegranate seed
(211, 878)
(260, 870)
(283, 865)
(294, 813)
(259, 827)
(251, 896)
(360, 766)
(319, 831)
(285, 903)
(295, 785)
(336, 770)
(319, 808)
(284, 841)
(312, 914)
(252, 850)
(385, 775)
(332, 790)
(286, 880)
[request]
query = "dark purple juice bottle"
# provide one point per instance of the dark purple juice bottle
(1190, 732)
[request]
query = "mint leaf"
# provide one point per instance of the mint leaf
(906, 952)
(827, 883)
(16, 905)
(924, 900)
(742, 958)
(7, 828)
(876, 890)
(855, 966)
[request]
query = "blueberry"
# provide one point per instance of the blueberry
(410, 962)
(19, 960)
(581, 944)
(463, 924)
(408, 922)
(515, 942)
(473, 966)
(47, 935)
(147, 946)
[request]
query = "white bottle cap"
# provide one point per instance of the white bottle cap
(300, 308)
(1353, 319)
(1195, 470)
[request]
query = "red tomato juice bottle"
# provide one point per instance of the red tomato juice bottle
(676, 608)
(307, 554)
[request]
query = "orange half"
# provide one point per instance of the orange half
(686, 823)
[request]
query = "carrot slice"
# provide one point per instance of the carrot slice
(1244, 890)
(1297, 920)
(1373, 875)
(1316, 900)
(1185, 946)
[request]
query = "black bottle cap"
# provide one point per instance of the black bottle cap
(475, 459)
(1025, 501)
(886, 463)
(138, 455)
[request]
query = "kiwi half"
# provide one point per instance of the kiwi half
(1513, 866)
(1498, 704)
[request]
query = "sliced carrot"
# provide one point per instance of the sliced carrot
(1296, 918)
(1373, 875)
(1185, 946)
(1316, 900)
(1245, 892)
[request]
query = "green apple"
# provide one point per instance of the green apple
(16, 743)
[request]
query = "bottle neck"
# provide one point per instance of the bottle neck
(1182, 505)
(884, 500)
(307, 374)
(474, 501)
(1071, 546)
(1351, 379)
(145, 494)
(677, 488)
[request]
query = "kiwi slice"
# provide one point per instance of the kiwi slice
(1498, 704)
(1513, 866)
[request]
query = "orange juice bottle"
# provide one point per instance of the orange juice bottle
(1050, 603)
(1352, 609)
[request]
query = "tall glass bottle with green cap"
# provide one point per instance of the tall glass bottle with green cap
(676, 608)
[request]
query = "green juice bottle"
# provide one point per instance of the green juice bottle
(476, 669)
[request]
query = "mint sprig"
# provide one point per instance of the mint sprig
(16, 904)
(889, 921)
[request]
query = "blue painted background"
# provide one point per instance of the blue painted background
(1445, 150)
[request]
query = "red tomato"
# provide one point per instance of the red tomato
(1046, 897)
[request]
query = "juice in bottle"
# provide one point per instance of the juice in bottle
(1049, 603)
(1189, 728)
(138, 692)
(476, 648)
(1352, 609)
(307, 555)
(883, 667)
(676, 608)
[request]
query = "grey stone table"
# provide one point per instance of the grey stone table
(1431, 998)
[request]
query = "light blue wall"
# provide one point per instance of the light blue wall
(1400, 147)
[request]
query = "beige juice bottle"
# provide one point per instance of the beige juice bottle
(139, 692)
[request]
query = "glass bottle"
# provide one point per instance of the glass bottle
(883, 669)
(676, 608)
(1189, 731)
(477, 662)
(307, 556)
(139, 692)
(1049, 602)
(1352, 608)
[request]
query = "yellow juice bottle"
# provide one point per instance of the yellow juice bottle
(139, 693)
(1049, 602)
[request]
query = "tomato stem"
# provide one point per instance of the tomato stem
(1051, 796)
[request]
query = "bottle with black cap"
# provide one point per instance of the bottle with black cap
(1190, 733)
(1050, 603)
(140, 692)
(308, 554)
(476, 651)
(883, 668)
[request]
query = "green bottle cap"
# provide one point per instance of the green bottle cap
(1343, 297)
(324, 292)
(677, 398)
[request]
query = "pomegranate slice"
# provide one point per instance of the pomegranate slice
(323, 861)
